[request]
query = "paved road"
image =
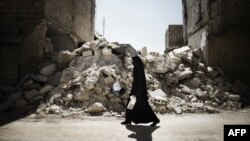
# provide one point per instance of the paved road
(186, 127)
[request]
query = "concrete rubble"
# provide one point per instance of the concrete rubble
(92, 81)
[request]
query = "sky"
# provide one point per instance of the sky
(137, 22)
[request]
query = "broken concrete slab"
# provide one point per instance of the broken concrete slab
(48, 69)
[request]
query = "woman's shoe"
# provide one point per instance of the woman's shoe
(154, 123)
(126, 122)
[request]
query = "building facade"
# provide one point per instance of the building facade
(221, 29)
(31, 30)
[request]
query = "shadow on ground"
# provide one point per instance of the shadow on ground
(141, 132)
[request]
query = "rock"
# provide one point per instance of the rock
(96, 108)
(115, 99)
(64, 57)
(185, 89)
(68, 97)
(160, 65)
(144, 51)
(219, 94)
(109, 81)
(40, 78)
(158, 96)
(48, 69)
(21, 103)
(202, 94)
(150, 58)
(80, 96)
(194, 99)
(178, 110)
(68, 74)
(210, 109)
(107, 71)
(195, 82)
(174, 59)
(197, 105)
(41, 108)
(54, 79)
(87, 53)
(201, 67)
(83, 48)
(31, 94)
(178, 52)
(234, 97)
(54, 109)
(30, 84)
(184, 74)
(45, 89)
(209, 69)
(82, 63)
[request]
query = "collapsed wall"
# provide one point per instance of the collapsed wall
(92, 80)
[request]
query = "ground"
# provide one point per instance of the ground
(185, 127)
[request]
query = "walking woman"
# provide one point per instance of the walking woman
(141, 112)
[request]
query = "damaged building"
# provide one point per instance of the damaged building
(221, 29)
(173, 37)
(70, 71)
(32, 30)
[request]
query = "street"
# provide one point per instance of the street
(185, 127)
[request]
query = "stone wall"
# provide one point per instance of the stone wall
(23, 32)
(221, 29)
(174, 37)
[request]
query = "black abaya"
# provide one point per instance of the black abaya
(142, 112)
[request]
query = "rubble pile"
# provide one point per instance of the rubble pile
(191, 85)
(92, 80)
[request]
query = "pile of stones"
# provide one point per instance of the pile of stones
(92, 80)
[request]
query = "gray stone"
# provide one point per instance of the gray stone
(40, 78)
(193, 99)
(41, 108)
(87, 53)
(45, 89)
(64, 57)
(185, 89)
(107, 71)
(54, 79)
(150, 58)
(31, 94)
(96, 108)
(48, 69)
(81, 96)
(197, 105)
(195, 82)
(178, 110)
(21, 103)
(144, 52)
(184, 74)
(219, 94)
(201, 67)
(68, 74)
(234, 97)
(178, 52)
(82, 63)
(54, 109)
(68, 97)
(202, 94)
(210, 109)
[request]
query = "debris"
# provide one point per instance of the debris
(93, 80)
(48, 69)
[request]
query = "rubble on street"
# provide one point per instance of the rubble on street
(93, 81)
